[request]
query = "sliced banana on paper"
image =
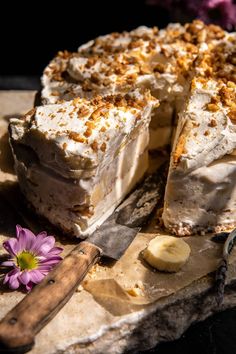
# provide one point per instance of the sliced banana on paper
(167, 253)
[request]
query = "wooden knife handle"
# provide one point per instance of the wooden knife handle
(19, 326)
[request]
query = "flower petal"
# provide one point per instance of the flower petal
(13, 272)
(45, 268)
(48, 244)
(36, 276)
(11, 246)
(29, 286)
(14, 283)
(51, 261)
(26, 239)
(42, 233)
(12, 279)
(24, 277)
(55, 251)
(43, 244)
(6, 278)
(18, 230)
(8, 264)
(22, 241)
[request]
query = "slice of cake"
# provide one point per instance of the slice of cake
(201, 187)
(76, 161)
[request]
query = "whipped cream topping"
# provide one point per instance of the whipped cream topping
(82, 134)
(117, 62)
(205, 131)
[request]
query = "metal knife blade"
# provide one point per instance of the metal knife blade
(118, 231)
(19, 327)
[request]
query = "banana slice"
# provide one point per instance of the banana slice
(167, 253)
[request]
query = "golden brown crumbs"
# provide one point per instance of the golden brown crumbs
(187, 37)
(215, 99)
(232, 116)
(212, 107)
(213, 123)
(103, 147)
(77, 137)
(95, 78)
(227, 96)
(91, 61)
(31, 113)
(86, 86)
(87, 212)
(55, 93)
(64, 54)
(134, 44)
(231, 84)
(103, 129)
(130, 79)
(160, 68)
(97, 113)
(180, 149)
(57, 77)
(94, 146)
(90, 124)
(83, 111)
(61, 110)
(88, 132)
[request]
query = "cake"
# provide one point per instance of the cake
(76, 161)
(190, 70)
(201, 188)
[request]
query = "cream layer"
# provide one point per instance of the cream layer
(202, 199)
(73, 218)
(78, 193)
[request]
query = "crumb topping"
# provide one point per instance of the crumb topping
(88, 128)
(120, 59)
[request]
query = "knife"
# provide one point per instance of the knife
(19, 327)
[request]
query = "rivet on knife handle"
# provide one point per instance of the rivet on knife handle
(25, 320)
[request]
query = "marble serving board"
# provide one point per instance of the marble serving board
(131, 307)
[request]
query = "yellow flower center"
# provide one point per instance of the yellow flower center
(26, 260)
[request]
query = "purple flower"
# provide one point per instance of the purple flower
(220, 12)
(31, 257)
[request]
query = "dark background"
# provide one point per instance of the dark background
(31, 33)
